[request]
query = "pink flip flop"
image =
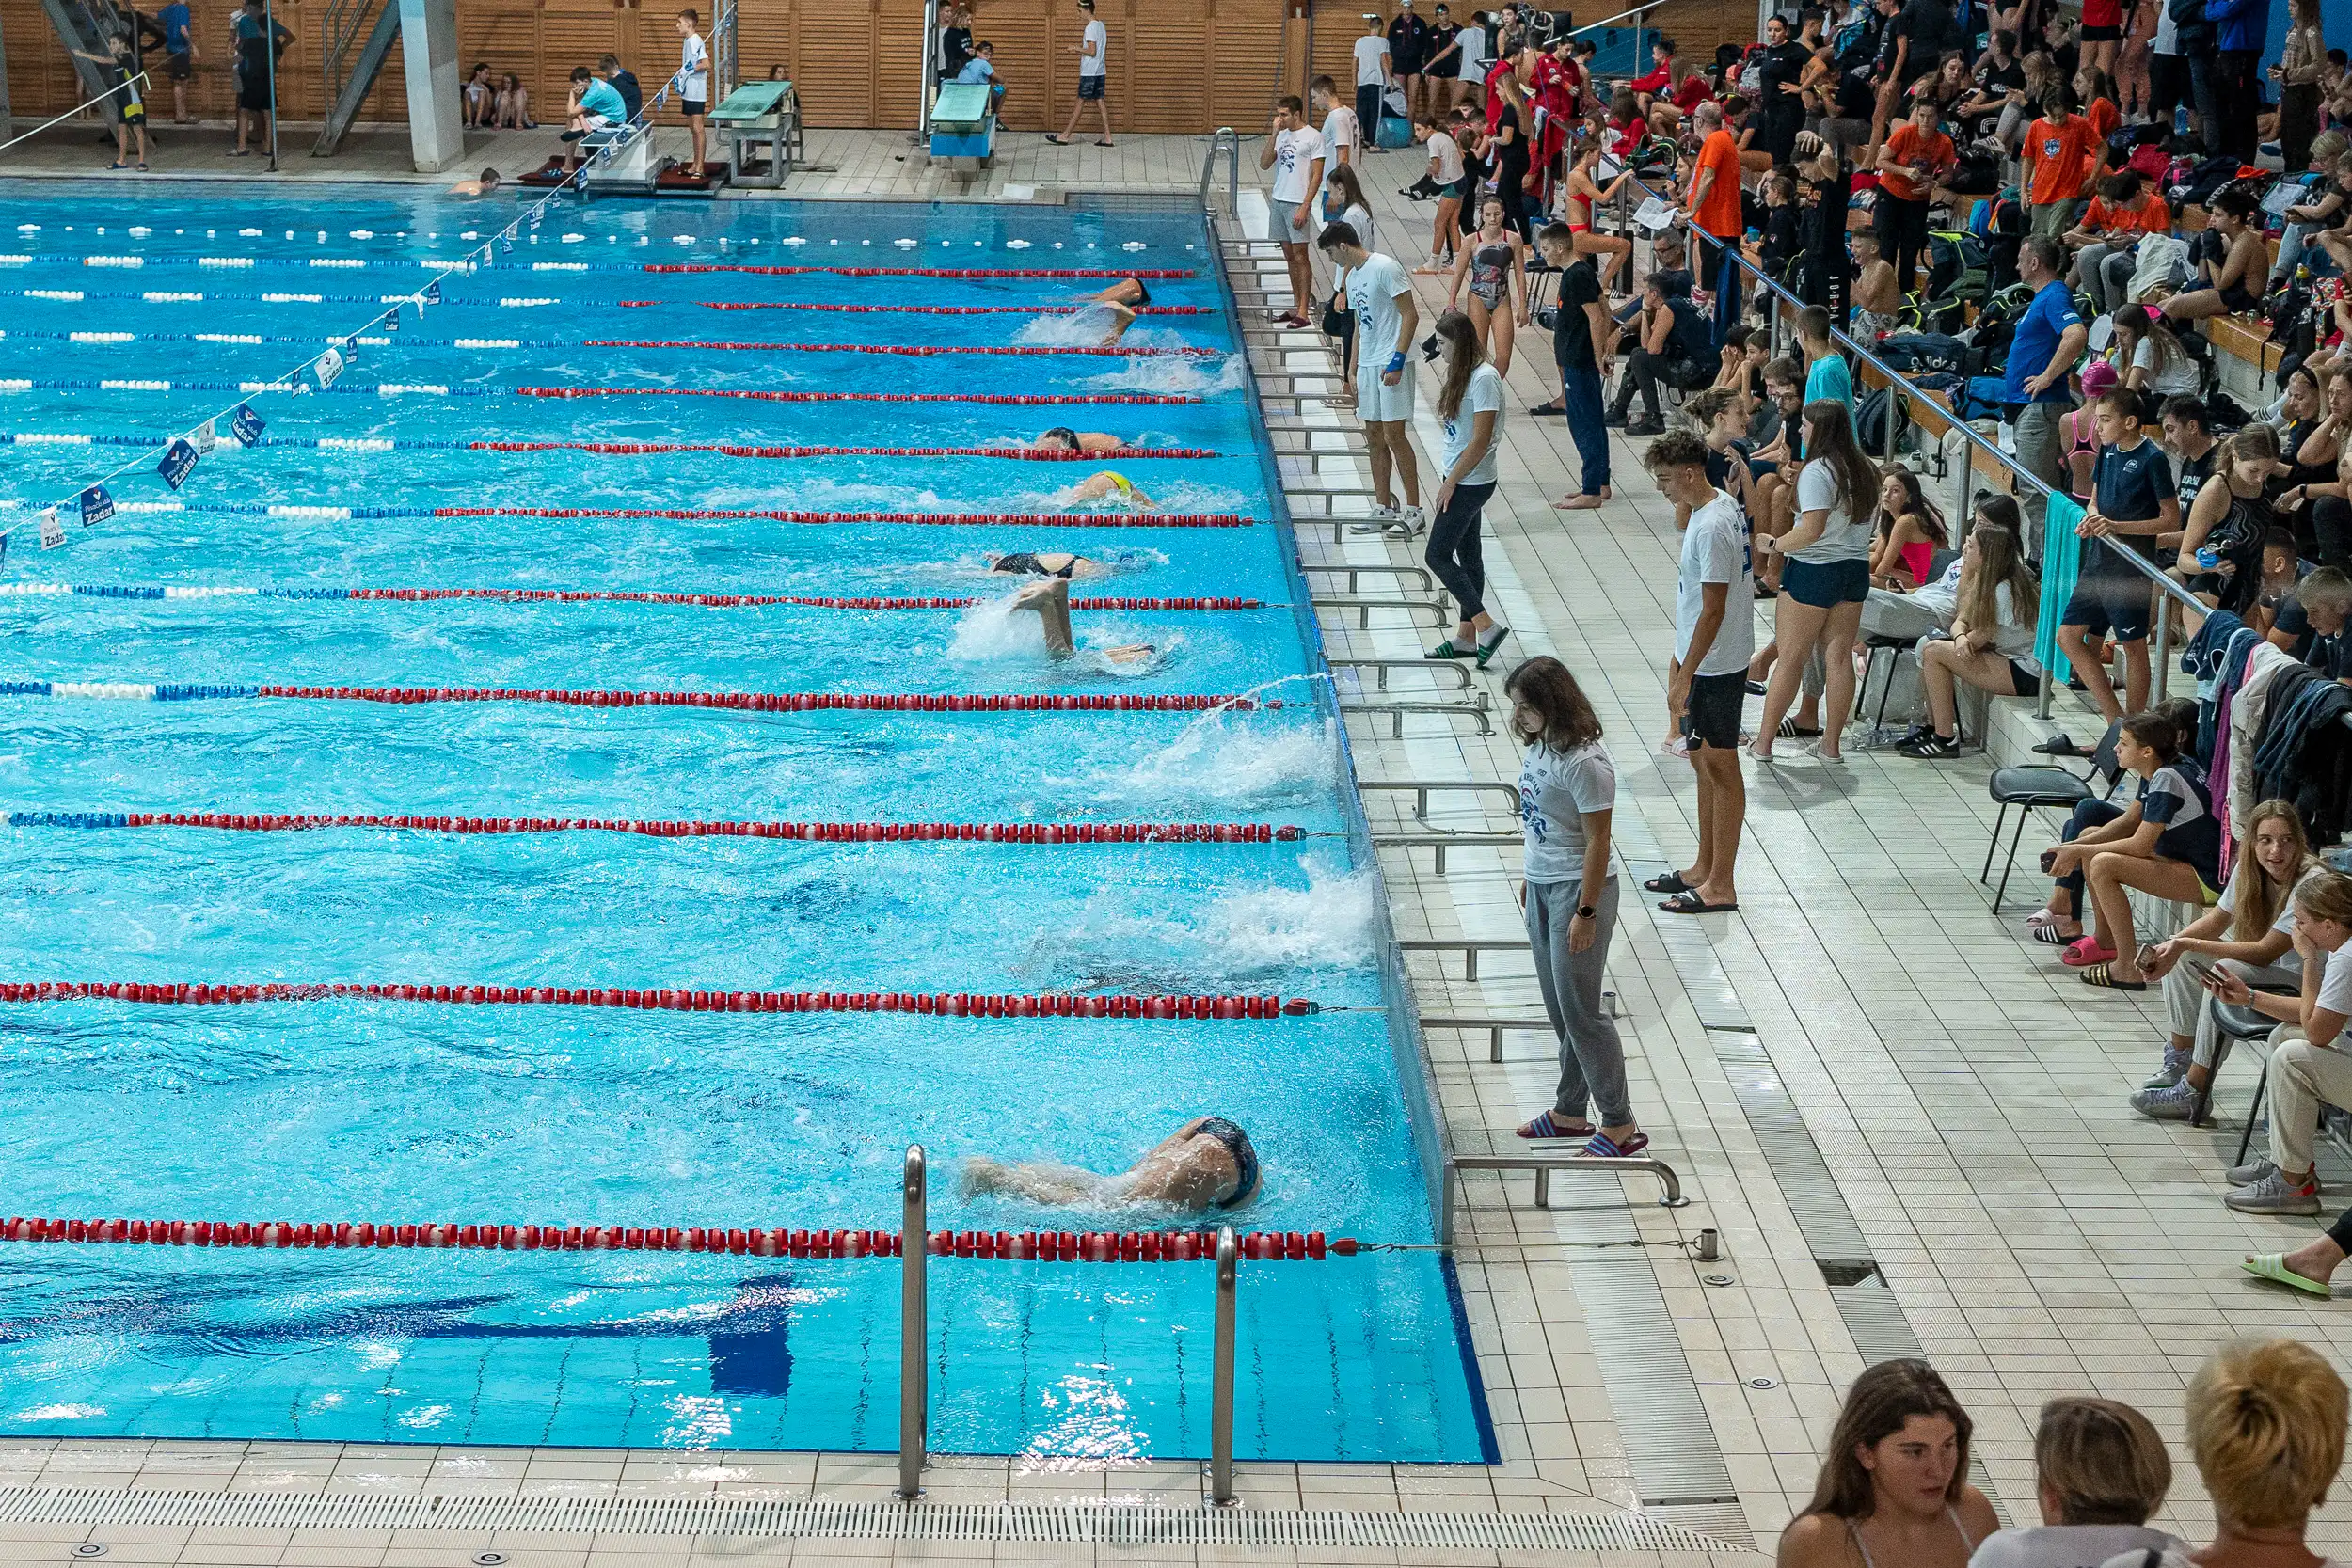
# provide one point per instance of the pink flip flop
(2086, 951)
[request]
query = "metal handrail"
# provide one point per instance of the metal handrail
(1463, 680)
(1421, 788)
(1907, 388)
(1227, 138)
(1544, 1166)
(1494, 1028)
(914, 1328)
(1612, 21)
(1469, 947)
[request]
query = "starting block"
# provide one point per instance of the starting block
(963, 123)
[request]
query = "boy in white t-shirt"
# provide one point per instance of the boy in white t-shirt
(1714, 639)
(1343, 137)
(694, 81)
(1295, 155)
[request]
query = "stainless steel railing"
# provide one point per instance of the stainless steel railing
(1543, 1164)
(913, 1325)
(1903, 386)
(1228, 140)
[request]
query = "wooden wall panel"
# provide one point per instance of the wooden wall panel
(1176, 65)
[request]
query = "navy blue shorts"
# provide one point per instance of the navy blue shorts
(1091, 86)
(1827, 585)
(2113, 607)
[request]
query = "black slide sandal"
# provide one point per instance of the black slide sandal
(1670, 882)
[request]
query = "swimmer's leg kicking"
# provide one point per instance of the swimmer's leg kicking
(1051, 600)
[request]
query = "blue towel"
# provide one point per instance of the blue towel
(2061, 562)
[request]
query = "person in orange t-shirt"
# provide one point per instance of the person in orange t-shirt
(2123, 211)
(1910, 161)
(1712, 205)
(2057, 157)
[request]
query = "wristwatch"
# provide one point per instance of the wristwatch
(1586, 911)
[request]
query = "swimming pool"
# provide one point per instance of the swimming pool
(347, 1108)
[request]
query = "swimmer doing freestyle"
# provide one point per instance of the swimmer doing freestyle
(1108, 486)
(1063, 438)
(1206, 1164)
(1051, 600)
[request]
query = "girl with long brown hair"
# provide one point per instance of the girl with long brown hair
(1567, 794)
(1469, 411)
(1909, 531)
(1826, 577)
(1991, 646)
(2250, 933)
(1894, 1490)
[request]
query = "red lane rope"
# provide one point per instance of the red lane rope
(1020, 455)
(926, 520)
(1033, 400)
(771, 702)
(915, 309)
(1042, 1246)
(925, 271)
(822, 832)
(920, 350)
(730, 601)
(938, 1005)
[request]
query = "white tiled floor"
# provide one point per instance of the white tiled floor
(1967, 1095)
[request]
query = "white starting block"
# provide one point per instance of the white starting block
(630, 169)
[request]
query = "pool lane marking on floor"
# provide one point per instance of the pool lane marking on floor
(752, 701)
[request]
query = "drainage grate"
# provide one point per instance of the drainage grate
(1133, 201)
(1107, 1525)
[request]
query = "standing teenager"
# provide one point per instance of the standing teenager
(1380, 292)
(1567, 797)
(693, 79)
(1714, 639)
(1093, 50)
(1583, 341)
(1470, 410)
(1294, 153)
(1826, 575)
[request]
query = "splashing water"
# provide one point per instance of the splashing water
(1233, 943)
(1173, 374)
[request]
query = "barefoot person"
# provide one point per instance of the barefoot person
(1206, 1164)
(1380, 292)
(1714, 639)
(693, 80)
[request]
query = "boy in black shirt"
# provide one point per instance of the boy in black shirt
(2135, 500)
(1583, 337)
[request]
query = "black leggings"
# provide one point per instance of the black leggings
(1902, 231)
(1455, 553)
(2331, 525)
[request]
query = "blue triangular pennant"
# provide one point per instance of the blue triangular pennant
(247, 425)
(97, 506)
(432, 292)
(178, 462)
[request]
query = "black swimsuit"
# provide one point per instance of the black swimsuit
(1236, 1143)
(1028, 564)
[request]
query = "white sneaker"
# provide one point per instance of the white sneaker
(1378, 520)
(1408, 523)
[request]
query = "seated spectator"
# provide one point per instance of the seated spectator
(2146, 353)
(594, 106)
(481, 98)
(2305, 220)
(2122, 213)
(2250, 933)
(2167, 843)
(1878, 299)
(1991, 646)
(624, 83)
(981, 66)
(2100, 1470)
(513, 104)
(2326, 503)
(2309, 622)
(2266, 1428)
(2308, 1066)
(1908, 533)
(1673, 344)
(2221, 538)
(2282, 569)
(1999, 84)
(1894, 1483)
(2231, 261)
(1928, 611)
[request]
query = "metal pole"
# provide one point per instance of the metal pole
(931, 70)
(1221, 1373)
(269, 45)
(914, 1328)
(2160, 655)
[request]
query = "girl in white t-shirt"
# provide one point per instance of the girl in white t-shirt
(1447, 173)
(1469, 411)
(1825, 575)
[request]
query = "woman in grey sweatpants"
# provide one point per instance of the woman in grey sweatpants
(1568, 790)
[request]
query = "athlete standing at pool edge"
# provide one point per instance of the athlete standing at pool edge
(693, 81)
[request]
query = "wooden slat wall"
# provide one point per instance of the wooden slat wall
(1176, 65)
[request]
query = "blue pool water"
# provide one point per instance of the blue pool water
(360, 1111)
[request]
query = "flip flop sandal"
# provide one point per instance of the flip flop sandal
(2041, 917)
(1604, 1148)
(1690, 903)
(1056, 140)
(2103, 976)
(2273, 1267)
(1554, 408)
(2052, 935)
(1447, 650)
(1549, 1125)
(1670, 882)
(1791, 730)
(1487, 649)
(2084, 951)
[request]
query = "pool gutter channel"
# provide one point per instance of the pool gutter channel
(1662, 1421)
